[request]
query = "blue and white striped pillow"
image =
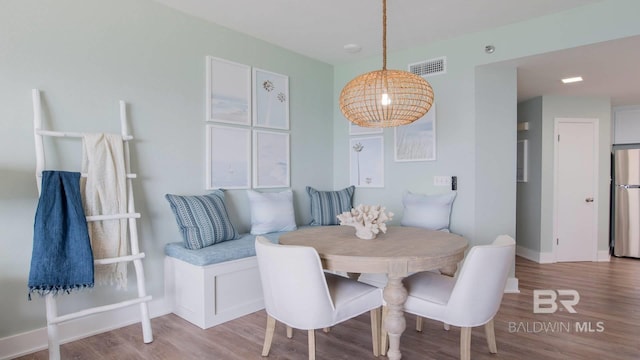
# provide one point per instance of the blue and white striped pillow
(327, 205)
(202, 219)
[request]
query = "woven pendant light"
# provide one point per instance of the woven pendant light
(386, 98)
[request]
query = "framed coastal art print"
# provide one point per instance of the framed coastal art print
(366, 161)
(270, 159)
(228, 157)
(416, 141)
(228, 92)
(270, 100)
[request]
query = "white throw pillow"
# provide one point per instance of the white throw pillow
(271, 212)
(427, 211)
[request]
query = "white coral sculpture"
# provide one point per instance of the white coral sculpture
(369, 220)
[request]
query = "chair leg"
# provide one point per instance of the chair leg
(312, 345)
(268, 336)
(289, 332)
(375, 331)
(383, 333)
(419, 323)
(465, 343)
(491, 337)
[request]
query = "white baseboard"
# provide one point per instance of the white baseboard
(28, 342)
(539, 257)
(512, 286)
(604, 256)
(548, 258)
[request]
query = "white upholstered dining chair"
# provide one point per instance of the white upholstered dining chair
(298, 293)
(472, 299)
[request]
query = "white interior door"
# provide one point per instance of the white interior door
(576, 170)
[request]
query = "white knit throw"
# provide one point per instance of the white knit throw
(104, 193)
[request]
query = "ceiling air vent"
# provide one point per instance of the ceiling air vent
(429, 67)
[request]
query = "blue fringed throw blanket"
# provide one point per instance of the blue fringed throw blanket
(62, 260)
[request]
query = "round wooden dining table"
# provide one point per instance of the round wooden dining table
(400, 251)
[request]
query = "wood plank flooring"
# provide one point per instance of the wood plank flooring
(608, 318)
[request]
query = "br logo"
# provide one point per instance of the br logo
(546, 301)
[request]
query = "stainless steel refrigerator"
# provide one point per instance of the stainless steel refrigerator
(625, 206)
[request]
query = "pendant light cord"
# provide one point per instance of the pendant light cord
(384, 34)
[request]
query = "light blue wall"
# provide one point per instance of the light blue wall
(87, 55)
(535, 207)
(528, 213)
(452, 156)
(495, 152)
(463, 148)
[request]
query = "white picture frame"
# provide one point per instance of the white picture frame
(366, 161)
(416, 141)
(228, 158)
(270, 100)
(271, 161)
(228, 92)
(522, 160)
(360, 130)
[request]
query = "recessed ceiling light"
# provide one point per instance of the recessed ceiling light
(572, 79)
(352, 48)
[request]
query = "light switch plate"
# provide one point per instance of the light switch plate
(442, 180)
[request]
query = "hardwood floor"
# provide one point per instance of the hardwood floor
(606, 325)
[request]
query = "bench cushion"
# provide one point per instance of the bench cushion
(239, 248)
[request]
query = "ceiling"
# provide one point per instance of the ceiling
(321, 29)
(609, 69)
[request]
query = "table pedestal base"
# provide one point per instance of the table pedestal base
(395, 296)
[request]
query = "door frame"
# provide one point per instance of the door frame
(596, 183)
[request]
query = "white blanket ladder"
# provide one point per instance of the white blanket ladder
(135, 256)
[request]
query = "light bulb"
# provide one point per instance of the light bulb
(385, 100)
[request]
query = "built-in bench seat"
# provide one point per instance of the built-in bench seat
(220, 281)
(217, 283)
